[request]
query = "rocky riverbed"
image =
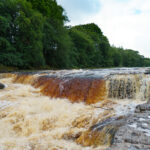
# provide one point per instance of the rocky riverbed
(134, 134)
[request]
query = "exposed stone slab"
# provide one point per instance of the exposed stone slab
(135, 133)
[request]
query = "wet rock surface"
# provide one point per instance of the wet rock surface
(102, 133)
(135, 133)
(2, 86)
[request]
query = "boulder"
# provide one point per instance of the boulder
(102, 133)
(135, 133)
(143, 107)
(2, 86)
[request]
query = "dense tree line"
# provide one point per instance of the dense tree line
(33, 36)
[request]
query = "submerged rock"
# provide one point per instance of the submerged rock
(101, 134)
(143, 107)
(2, 86)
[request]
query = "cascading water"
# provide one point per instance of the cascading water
(67, 110)
(136, 87)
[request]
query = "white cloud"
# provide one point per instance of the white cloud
(126, 23)
(123, 26)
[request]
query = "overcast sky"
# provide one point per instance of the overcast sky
(126, 23)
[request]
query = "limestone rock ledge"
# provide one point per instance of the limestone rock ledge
(135, 133)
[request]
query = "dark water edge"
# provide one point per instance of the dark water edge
(7, 69)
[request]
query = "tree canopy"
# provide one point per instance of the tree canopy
(33, 35)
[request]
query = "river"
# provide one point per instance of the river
(56, 110)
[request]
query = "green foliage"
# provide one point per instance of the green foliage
(91, 45)
(21, 44)
(83, 48)
(7, 69)
(116, 54)
(128, 58)
(56, 41)
(51, 9)
(33, 36)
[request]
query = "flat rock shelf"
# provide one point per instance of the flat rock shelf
(135, 133)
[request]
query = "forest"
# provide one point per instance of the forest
(34, 35)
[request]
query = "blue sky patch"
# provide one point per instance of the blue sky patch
(137, 11)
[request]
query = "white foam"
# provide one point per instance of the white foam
(5, 104)
(134, 125)
(142, 119)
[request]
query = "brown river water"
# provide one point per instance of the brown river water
(55, 110)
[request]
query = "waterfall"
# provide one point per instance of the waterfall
(88, 90)
(134, 87)
(73, 109)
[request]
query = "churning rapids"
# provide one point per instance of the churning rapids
(68, 109)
